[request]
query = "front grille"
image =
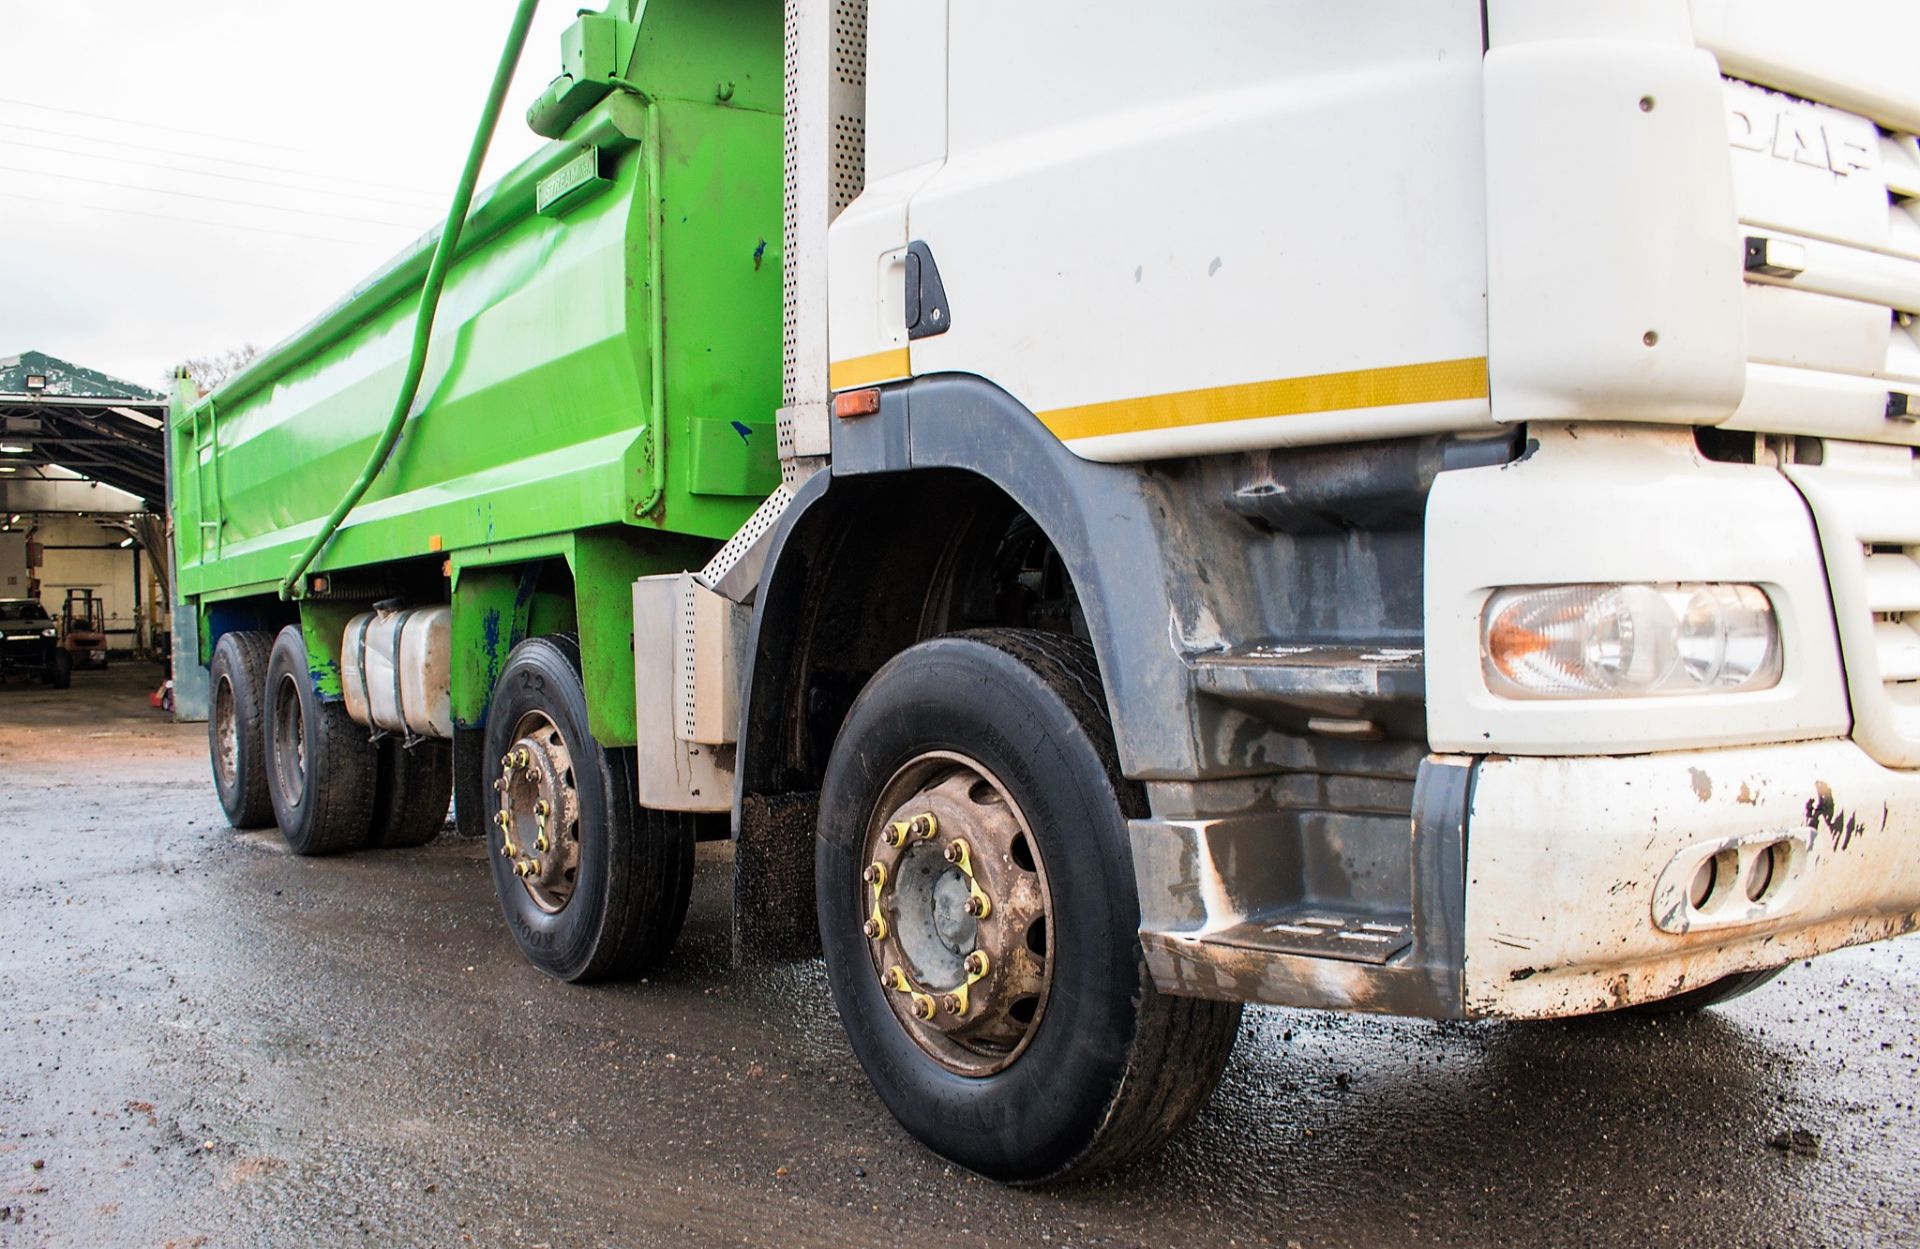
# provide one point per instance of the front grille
(1866, 504)
(1826, 165)
(1832, 343)
(1892, 579)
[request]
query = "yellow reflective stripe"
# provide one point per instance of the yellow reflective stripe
(881, 366)
(1289, 396)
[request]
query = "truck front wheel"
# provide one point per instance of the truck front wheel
(978, 910)
(593, 887)
(321, 765)
(1714, 992)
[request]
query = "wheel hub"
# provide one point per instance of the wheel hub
(227, 730)
(539, 814)
(957, 913)
(290, 745)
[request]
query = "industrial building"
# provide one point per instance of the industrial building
(82, 500)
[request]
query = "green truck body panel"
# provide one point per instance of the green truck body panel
(604, 369)
(498, 602)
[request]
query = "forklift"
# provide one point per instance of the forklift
(83, 628)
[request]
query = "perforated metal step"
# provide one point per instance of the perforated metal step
(1323, 934)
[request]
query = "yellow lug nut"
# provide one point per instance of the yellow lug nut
(876, 877)
(976, 963)
(955, 1004)
(954, 852)
(978, 906)
(923, 1007)
(895, 834)
(541, 844)
(924, 825)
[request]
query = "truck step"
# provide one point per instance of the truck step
(1358, 938)
(1311, 676)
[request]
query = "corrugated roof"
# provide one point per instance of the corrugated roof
(84, 420)
(67, 379)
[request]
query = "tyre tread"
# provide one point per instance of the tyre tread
(1181, 1045)
(650, 873)
(250, 649)
(341, 765)
(412, 793)
(1713, 993)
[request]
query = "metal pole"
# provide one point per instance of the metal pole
(139, 616)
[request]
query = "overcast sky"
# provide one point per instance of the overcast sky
(181, 176)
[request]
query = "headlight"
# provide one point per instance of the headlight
(48, 633)
(1629, 641)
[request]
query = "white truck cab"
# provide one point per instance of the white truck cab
(1457, 462)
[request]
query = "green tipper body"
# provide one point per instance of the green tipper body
(599, 393)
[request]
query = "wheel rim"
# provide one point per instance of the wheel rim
(957, 913)
(289, 744)
(226, 733)
(539, 816)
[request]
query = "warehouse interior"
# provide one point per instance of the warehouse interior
(83, 499)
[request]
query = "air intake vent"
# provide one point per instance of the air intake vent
(1862, 499)
(1893, 597)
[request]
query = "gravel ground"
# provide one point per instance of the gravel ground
(207, 1041)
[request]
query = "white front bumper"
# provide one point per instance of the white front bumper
(1578, 870)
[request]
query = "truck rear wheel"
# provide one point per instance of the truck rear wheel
(593, 887)
(236, 726)
(978, 910)
(413, 788)
(321, 765)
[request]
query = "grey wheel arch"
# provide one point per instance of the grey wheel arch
(1099, 517)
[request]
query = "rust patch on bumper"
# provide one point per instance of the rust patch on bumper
(1825, 814)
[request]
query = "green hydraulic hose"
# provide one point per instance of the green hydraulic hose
(430, 292)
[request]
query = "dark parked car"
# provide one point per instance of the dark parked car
(30, 642)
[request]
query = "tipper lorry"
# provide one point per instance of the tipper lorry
(1119, 511)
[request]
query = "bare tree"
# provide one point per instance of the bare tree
(209, 372)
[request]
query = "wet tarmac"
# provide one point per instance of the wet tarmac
(206, 1041)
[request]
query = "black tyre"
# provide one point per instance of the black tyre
(321, 765)
(237, 727)
(411, 793)
(1725, 989)
(59, 673)
(473, 796)
(1017, 1032)
(593, 887)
